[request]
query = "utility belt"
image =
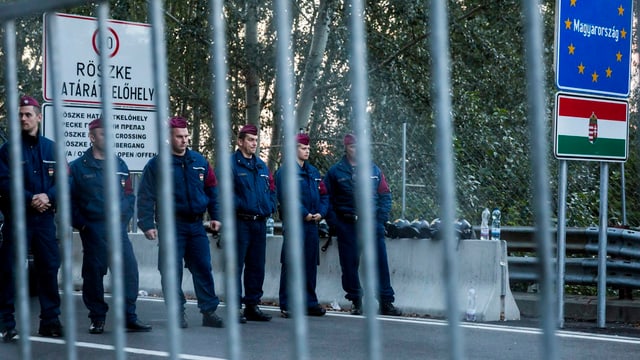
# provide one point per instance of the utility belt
(188, 218)
(249, 217)
(348, 218)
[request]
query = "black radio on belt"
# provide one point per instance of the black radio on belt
(249, 217)
(350, 218)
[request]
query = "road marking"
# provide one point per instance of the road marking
(515, 329)
(405, 320)
(130, 350)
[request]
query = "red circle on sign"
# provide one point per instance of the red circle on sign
(115, 47)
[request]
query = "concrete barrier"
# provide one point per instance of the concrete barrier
(416, 267)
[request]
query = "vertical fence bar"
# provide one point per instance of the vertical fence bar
(17, 187)
(541, 199)
(562, 238)
(63, 193)
(294, 239)
(602, 245)
(446, 178)
(364, 201)
(167, 223)
(112, 204)
(294, 258)
(623, 195)
(404, 169)
(218, 52)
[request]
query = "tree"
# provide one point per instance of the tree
(487, 88)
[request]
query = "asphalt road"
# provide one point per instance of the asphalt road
(337, 336)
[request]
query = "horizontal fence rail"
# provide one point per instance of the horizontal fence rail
(623, 256)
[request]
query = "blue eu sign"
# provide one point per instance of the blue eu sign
(593, 46)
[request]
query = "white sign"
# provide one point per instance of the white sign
(134, 132)
(79, 70)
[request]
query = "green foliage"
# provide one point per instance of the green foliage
(488, 92)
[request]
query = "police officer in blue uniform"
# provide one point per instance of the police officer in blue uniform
(340, 183)
(254, 190)
(314, 203)
(40, 200)
(87, 186)
(195, 192)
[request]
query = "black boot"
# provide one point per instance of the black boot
(356, 307)
(9, 335)
(183, 320)
(138, 326)
(253, 313)
(96, 327)
(387, 308)
(211, 319)
(316, 311)
(51, 329)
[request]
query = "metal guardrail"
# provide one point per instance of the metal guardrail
(579, 271)
(581, 266)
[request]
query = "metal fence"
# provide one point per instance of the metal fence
(442, 183)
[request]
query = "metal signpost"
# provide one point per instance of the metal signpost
(593, 56)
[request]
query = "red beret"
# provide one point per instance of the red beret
(97, 123)
(349, 139)
(28, 100)
(249, 129)
(178, 122)
(302, 139)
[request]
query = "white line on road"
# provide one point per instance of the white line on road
(130, 350)
(519, 330)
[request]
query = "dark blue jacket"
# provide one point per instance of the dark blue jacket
(313, 193)
(195, 189)
(88, 190)
(340, 186)
(253, 185)
(39, 170)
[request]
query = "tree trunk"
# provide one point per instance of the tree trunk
(314, 61)
(251, 72)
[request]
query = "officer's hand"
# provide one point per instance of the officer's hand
(215, 225)
(151, 234)
(316, 217)
(40, 202)
(309, 217)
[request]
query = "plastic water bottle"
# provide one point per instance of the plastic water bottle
(270, 226)
(495, 224)
(484, 226)
(470, 314)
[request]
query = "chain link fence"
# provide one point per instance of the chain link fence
(492, 172)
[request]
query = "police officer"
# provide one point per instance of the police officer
(38, 163)
(314, 203)
(340, 185)
(87, 186)
(254, 190)
(195, 192)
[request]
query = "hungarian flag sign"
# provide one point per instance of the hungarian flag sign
(589, 128)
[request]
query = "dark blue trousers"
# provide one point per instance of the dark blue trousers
(349, 251)
(311, 252)
(41, 237)
(252, 247)
(95, 262)
(192, 247)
